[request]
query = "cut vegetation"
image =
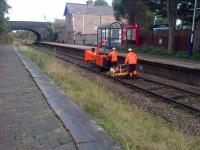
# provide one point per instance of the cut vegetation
(130, 126)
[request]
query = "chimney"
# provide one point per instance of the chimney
(90, 3)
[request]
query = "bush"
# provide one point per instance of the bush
(196, 56)
(6, 39)
(181, 54)
(160, 51)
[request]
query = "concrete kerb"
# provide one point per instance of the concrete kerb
(87, 135)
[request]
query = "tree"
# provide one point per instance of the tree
(119, 10)
(166, 9)
(170, 9)
(172, 17)
(129, 11)
(158, 7)
(196, 46)
(185, 14)
(181, 9)
(4, 7)
(100, 3)
(24, 35)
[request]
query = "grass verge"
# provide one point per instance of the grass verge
(130, 126)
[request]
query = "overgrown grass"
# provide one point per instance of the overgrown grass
(130, 126)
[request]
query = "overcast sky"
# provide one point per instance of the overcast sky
(35, 10)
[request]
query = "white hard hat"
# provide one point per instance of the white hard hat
(113, 48)
(129, 49)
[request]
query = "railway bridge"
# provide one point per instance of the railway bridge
(42, 30)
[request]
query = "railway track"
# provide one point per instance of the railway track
(164, 91)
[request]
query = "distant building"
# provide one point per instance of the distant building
(82, 21)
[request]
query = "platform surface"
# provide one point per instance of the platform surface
(185, 63)
(36, 114)
(26, 120)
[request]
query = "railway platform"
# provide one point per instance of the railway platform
(181, 70)
(185, 63)
(36, 114)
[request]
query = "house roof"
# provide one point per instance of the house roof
(85, 9)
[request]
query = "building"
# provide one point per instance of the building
(82, 21)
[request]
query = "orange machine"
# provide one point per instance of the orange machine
(102, 61)
(121, 71)
(95, 56)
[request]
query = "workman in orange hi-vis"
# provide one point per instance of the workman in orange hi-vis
(113, 57)
(131, 61)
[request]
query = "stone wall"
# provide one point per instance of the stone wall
(91, 22)
(88, 39)
(83, 24)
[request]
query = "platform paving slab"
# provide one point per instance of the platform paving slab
(85, 132)
(26, 120)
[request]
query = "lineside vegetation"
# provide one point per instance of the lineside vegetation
(130, 126)
(4, 27)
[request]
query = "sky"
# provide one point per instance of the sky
(36, 10)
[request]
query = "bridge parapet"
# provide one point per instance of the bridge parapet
(29, 24)
(38, 28)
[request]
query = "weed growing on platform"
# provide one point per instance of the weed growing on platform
(132, 127)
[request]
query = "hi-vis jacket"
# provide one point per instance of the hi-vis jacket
(113, 56)
(131, 58)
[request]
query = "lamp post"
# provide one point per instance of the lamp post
(73, 26)
(192, 33)
(83, 25)
(52, 26)
(83, 30)
(100, 18)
